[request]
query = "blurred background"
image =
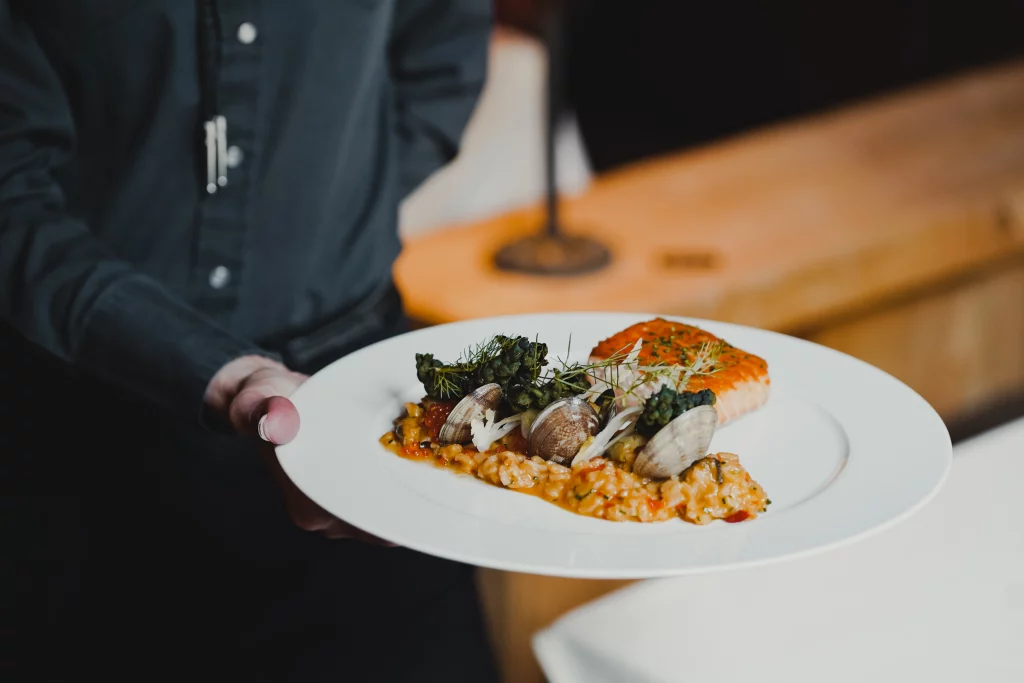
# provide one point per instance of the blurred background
(665, 76)
(850, 173)
(792, 165)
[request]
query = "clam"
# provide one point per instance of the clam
(458, 427)
(677, 445)
(561, 429)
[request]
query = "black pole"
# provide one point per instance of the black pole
(550, 251)
(553, 23)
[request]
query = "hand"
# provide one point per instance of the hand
(251, 392)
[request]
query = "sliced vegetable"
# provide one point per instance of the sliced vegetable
(603, 439)
(486, 431)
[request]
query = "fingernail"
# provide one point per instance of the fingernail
(260, 427)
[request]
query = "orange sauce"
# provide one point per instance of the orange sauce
(600, 488)
(414, 452)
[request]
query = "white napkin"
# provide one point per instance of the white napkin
(939, 597)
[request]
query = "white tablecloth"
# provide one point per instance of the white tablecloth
(939, 597)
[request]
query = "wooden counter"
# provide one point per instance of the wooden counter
(893, 231)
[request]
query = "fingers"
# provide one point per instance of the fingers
(309, 516)
(304, 512)
(273, 419)
(340, 530)
(279, 421)
(259, 408)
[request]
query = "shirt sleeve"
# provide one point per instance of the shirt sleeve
(60, 286)
(438, 58)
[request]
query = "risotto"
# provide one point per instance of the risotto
(714, 487)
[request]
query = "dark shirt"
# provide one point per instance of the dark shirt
(114, 253)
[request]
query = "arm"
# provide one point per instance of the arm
(61, 287)
(438, 57)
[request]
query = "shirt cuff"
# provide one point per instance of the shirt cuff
(141, 337)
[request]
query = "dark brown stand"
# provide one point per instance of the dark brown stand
(552, 251)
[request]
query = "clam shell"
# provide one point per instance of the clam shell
(458, 427)
(679, 444)
(561, 429)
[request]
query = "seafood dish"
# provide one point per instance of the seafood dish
(625, 436)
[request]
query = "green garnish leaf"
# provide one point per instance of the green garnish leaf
(501, 359)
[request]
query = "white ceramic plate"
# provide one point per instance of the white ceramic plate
(842, 449)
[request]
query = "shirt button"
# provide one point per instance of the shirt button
(246, 33)
(219, 277)
(235, 156)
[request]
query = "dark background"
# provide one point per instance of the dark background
(651, 76)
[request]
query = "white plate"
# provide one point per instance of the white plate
(842, 449)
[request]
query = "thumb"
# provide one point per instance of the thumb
(280, 423)
(273, 419)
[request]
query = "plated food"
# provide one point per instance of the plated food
(622, 437)
(833, 434)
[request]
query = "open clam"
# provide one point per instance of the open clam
(677, 445)
(458, 427)
(561, 429)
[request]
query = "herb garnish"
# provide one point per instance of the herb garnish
(518, 365)
(667, 405)
(500, 359)
(704, 361)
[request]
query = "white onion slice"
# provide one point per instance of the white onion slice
(486, 431)
(634, 353)
(623, 374)
(604, 438)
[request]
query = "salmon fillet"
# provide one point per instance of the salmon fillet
(739, 379)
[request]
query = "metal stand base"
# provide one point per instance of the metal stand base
(552, 252)
(547, 254)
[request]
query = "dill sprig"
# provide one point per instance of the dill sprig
(626, 379)
(705, 361)
(485, 351)
(570, 371)
(447, 382)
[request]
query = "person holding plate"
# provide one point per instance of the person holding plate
(198, 208)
